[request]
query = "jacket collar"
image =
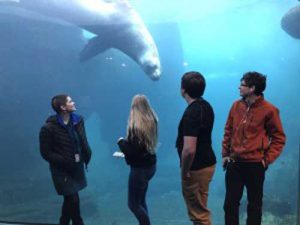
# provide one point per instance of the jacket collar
(258, 101)
(74, 118)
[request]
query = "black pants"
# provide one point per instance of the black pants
(238, 175)
(137, 189)
(71, 210)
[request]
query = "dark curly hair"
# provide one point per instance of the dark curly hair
(255, 79)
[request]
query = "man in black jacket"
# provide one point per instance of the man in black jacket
(64, 145)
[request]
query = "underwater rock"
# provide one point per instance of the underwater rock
(277, 207)
(290, 22)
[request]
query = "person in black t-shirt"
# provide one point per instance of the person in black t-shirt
(139, 150)
(197, 159)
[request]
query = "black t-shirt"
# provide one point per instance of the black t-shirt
(197, 121)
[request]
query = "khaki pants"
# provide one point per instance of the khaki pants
(195, 193)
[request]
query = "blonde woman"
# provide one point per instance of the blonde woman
(139, 150)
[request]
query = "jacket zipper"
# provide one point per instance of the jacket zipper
(244, 121)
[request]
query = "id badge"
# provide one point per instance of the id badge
(77, 158)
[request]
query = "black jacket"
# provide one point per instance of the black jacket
(136, 154)
(56, 145)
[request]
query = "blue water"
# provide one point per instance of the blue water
(221, 39)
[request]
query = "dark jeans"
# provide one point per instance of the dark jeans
(238, 175)
(137, 189)
(71, 210)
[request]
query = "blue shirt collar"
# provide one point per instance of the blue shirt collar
(73, 118)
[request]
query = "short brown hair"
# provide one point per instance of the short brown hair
(58, 101)
(193, 83)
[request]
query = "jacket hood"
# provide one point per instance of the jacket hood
(51, 119)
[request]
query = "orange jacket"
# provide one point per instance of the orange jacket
(253, 133)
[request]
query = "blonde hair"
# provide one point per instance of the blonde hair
(142, 123)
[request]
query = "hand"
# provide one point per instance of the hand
(186, 175)
(87, 156)
(225, 160)
(120, 138)
(264, 163)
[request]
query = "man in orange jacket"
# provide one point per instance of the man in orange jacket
(253, 139)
